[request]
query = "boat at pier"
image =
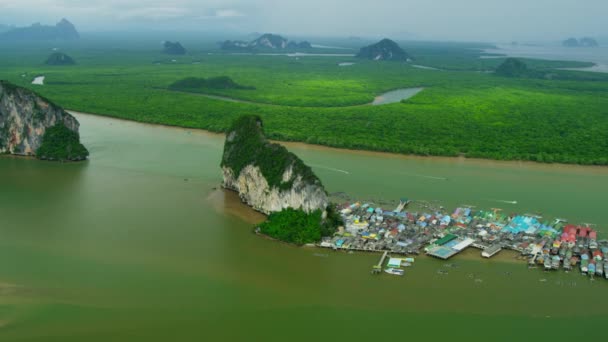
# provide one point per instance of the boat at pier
(591, 268)
(555, 261)
(394, 271)
(584, 263)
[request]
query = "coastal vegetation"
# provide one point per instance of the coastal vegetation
(299, 227)
(60, 143)
(464, 110)
(512, 67)
(293, 226)
(196, 84)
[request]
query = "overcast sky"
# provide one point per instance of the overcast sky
(490, 20)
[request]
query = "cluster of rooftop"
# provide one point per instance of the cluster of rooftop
(553, 244)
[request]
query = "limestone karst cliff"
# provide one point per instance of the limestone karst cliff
(31, 125)
(267, 176)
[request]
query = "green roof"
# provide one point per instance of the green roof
(445, 239)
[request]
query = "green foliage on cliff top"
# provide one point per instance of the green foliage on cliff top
(62, 144)
(296, 226)
(246, 144)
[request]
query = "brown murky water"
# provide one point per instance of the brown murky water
(140, 244)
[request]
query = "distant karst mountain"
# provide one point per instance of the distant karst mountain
(63, 30)
(265, 41)
(384, 50)
(173, 48)
(59, 58)
(583, 42)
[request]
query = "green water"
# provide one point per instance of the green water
(137, 245)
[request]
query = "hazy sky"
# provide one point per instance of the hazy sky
(489, 20)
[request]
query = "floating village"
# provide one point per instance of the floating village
(551, 245)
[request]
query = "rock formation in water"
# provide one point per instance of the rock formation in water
(265, 41)
(58, 59)
(384, 50)
(173, 48)
(269, 41)
(63, 30)
(267, 176)
(583, 42)
(33, 126)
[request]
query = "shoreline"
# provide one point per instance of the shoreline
(317, 147)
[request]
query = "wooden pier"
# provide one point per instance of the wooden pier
(378, 268)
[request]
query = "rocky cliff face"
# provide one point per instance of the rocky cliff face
(25, 118)
(267, 176)
(265, 41)
(384, 50)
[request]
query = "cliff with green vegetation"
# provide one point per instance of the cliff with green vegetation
(384, 50)
(195, 84)
(267, 176)
(59, 59)
(63, 30)
(33, 126)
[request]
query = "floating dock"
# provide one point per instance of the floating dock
(491, 251)
(448, 249)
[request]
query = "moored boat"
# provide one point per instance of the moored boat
(584, 263)
(591, 268)
(547, 262)
(555, 261)
(394, 271)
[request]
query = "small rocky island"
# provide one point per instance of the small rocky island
(173, 48)
(59, 59)
(384, 50)
(276, 182)
(31, 125)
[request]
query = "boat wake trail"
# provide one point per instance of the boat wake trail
(428, 177)
(330, 169)
(503, 201)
